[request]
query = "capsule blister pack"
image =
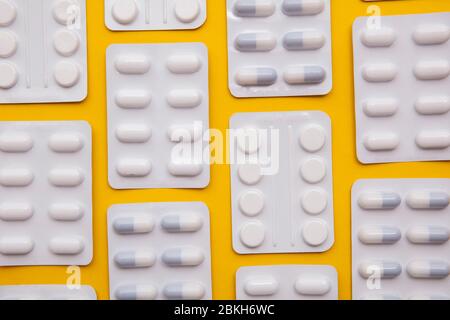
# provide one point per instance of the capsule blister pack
(47, 292)
(402, 101)
(279, 48)
(281, 182)
(43, 51)
(287, 282)
(123, 15)
(158, 116)
(159, 251)
(400, 239)
(45, 193)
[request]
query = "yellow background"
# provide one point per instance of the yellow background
(338, 104)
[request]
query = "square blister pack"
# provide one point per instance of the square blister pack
(123, 15)
(158, 116)
(43, 51)
(400, 239)
(45, 193)
(288, 282)
(47, 292)
(279, 48)
(402, 101)
(281, 182)
(159, 251)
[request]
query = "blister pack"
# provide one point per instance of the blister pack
(45, 193)
(402, 101)
(400, 239)
(123, 15)
(281, 182)
(159, 251)
(47, 292)
(287, 282)
(279, 48)
(158, 116)
(43, 51)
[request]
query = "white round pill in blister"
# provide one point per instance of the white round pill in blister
(313, 170)
(66, 42)
(8, 44)
(8, 75)
(315, 201)
(125, 11)
(187, 11)
(63, 12)
(252, 234)
(250, 174)
(8, 13)
(315, 232)
(251, 202)
(248, 140)
(66, 74)
(312, 138)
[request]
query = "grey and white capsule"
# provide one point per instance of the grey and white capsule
(184, 291)
(176, 223)
(136, 292)
(183, 257)
(256, 76)
(255, 42)
(298, 75)
(134, 259)
(133, 225)
(302, 7)
(428, 235)
(380, 269)
(254, 8)
(428, 269)
(379, 201)
(423, 200)
(379, 235)
(303, 40)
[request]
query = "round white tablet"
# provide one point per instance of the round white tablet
(251, 202)
(313, 170)
(252, 234)
(66, 42)
(8, 44)
(8, 13)
(125, 11)
(248, 140)
(187, 11)
(312, 138)
(66, 73)
(315, 232)
(249, 174)
(8, 75)
(314, 201)
(62, 11)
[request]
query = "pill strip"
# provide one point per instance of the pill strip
(400, 239)
(281, 182)
(402, 101)
(43, 51)
(127, 15)
(159, 251)
(47, 292)
(279, 48)
(158, 116)
(45, 193)
(287, 282)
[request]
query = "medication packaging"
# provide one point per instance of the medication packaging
(47, 292)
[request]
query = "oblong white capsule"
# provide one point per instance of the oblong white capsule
(184, 64)
(432, 70)
(16, 177)
(381, 141)
(312, 285)
(16, 211)
(186, 222)
(380, 107)
(426, 200)
(302, 7)
(183, 257)
(66, 246)
(185, 133)
(428, 269)
(256, 76)
(433, 105)
(428, 235)
(184, 169)
(66, 177)
(261, 286)
(184, 291)
(380, 72)
(255, 42)
(303, 40)
(379, 235)
(66, 142)
(433, 139)
(135, 259)
(379, 200)
(431, 34)
(66, 211)
(17, 142)
(378, 37)
(133, 99)
(254, 8)
(132, 64)
(133, 133)
(134, 225)
(379, 269)
(136, 292)
(304, 75)
(184, 98)
(16, 245)
(130, 168)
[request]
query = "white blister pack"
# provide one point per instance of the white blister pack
(287, 282)
(43, 51)
(400, 239)
(158, 116)
(281, 182)
(47, 292)
(159, 251)
(402, 101)
(279, 48)
(45, 193)
(127, 15)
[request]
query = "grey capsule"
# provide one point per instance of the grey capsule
(183, 257)
(258, 76)
(304, 75)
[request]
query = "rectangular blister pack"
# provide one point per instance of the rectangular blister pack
(43, 51)
(159, 251)
(45, 193)
(287, 282)
(47, 292)
(400, 239)
(402, 87)
(158, 116)
(128, 15)
(279, 48)
(281, 182)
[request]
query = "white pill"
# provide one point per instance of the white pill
(187, 11)
(136, 292)
(8, 13)
(248, 140)
(379, 269)
(125, 11)
(433, 139)
(432, 70)
(16, 177)
(312, 138)
(251, 203)
(66, 74)
(249, 174)
(16, 211)
(378, 37)
(426, 200)
(428, 235)
(433, 105)
(8, 75)
(134, 168)
(302, 7)
(184, 98)
(379, 200)
(132, 64)
(252, 234)
(184, 64)
(255, 42)
(66, 246)
(63, 12)
(135, 259)
(303, 40)
(379, 235)
(313, 170)
(185, 133)
(15, 142)
(431, 34)
(66, 142)
(66, 211)
(180, 223)
(256, 76)
(184, 291)
(297, 75)
(381, 141)
(66, 42)
(428, 269)
(185, 168)
(312, 285)
(315, 232)
(66, 177)
(133, 99)
(183, 257)
(381, 72)
(254, 8)
(380, 107)
(16, 245)
(133, 133)
(8, 44)
(134, 225)
(261, 286)
(315, 201)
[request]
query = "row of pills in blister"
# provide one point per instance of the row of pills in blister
(266, 8)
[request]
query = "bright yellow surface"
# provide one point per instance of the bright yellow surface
(338, 104)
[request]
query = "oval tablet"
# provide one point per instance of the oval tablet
(251, 202)
(428, 269)
(8, 13)
(185, 133)
(313, 170)
(134, 168)
(315, 201)
(303, 40)
(66, 74)
(133, 133)
(16, 177)
(384, 107)
(183, 257)
(381, 72)
(256, 76)
(186, 222)
(379, 200)
(378, 37)
(379, 235)
(432, 70)
(66, 211)
(424, 200)
(252, 234)
(132, 64)
(185, 169)
(184, 291)
(254, 8)
(379, 269)
(315, 232)
(133, 99)
(15, 211)
(136, 292)
(431, 34)
(134, 259)
(433, 105)
(261, 286)
(184, 98)
(312, 285)
(125, 11)
(16, 245)
(66, 142)
(381, 141)
(428, 235)
(312, 138)
(66, 42)
(184, 64)
(433, 139)
(304, 75)
(255, 42)
(302, 7)
(134, 225)
(8, 75)
(66, 246)
(15, 142)
(249, 174)
(8, 44)
(187, 11)
(66, 177)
